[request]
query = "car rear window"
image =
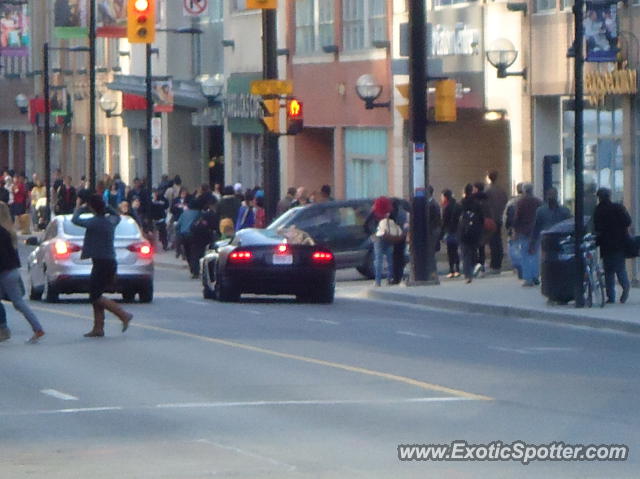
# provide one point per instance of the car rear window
(126, 228)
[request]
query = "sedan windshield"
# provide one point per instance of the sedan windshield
(127, 228)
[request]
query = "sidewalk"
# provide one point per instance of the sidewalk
(503, 295)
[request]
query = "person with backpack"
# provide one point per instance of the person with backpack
(470, 230)
(183, 228)
(451, 212)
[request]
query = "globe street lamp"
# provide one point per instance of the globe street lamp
(369, 91)
(502, 54)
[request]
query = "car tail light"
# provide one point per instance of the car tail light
(322, 257)
(143, 249)
(282, 249)
(62, 249)
(240, 256)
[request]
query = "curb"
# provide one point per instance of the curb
(506, 311)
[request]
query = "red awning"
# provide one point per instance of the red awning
(133, 102)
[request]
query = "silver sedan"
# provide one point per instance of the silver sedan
(55, 266)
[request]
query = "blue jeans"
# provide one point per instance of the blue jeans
(382, 250)
(10, 285)
(614, 265)
(515, 253)
(530, 262)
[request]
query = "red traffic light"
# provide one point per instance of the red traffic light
(295, 116)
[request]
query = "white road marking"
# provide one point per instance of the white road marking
(323, 321)
(199, 303)
(413, 335)
(253, 455)
(251, 311)
(510, 350)
(534, 350)
(240, 404)
(553, 350)
(58, 394)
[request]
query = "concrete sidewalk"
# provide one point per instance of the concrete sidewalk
(504, 295)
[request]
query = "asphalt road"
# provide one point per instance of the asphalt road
(269, 388)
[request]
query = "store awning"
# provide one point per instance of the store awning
(186, 94)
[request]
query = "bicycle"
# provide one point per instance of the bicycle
(593, 280)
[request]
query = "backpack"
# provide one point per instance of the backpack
(470, 227)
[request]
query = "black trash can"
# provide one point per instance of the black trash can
(558, 263)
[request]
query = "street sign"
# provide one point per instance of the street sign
(156, 133)
(271, 87)
(194, 8)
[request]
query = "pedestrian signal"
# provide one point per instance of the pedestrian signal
(141, 21)
(295, 116)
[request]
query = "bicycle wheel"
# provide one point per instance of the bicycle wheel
(587, 287)
(599, 288)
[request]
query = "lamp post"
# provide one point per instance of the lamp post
(92, 95)
(369, 91)
(501, 55)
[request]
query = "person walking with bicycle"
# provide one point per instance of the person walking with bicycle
(611, 222)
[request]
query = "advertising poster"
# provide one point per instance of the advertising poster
(111, 18)
(71, 19)
(163, 95)
(601, 32)
(14, 30)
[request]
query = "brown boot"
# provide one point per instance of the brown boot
(116, 309)
(98, 322)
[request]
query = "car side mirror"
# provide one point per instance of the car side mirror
(32, 241)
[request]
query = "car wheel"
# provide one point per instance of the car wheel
(50, 293)
(146, 293)
(366, 268)
(207, 292)
(35, 294)
(225, 292)
(129, 296)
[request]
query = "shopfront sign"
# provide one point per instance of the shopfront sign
(597, 85)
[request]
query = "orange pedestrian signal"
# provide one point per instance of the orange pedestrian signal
(141, 21)
(295, 117)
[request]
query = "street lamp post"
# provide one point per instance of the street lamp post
(578, 11)
(92, 95)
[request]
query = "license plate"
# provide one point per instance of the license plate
(282, 259)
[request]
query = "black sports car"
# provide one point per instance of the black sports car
(260, 261)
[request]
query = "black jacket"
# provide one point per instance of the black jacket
(9, 259)
(451, 217)
(611, 222)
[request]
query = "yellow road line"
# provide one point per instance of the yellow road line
(320, 362)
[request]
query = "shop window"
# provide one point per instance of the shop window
(444, 3)
(366, 162)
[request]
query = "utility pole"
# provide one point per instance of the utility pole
(422, 252)
(47, 126)
(92, 95)
(271, 154)
(149, 117)
(578, 49)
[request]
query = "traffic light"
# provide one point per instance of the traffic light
(141, 21)
(295, 116)
(271, 114)
(446, 100)
(261, 4)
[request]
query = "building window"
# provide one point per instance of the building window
(314, 25)
(444, 3)
(366, 162)
(603, 156)
(364, 21)
(216, 10)
(546, 5)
